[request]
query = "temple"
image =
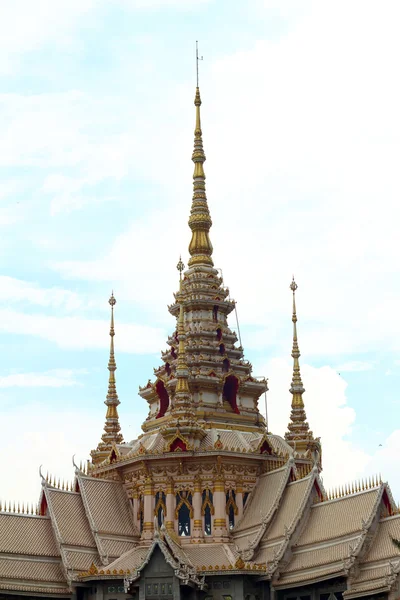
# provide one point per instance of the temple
(207, 503)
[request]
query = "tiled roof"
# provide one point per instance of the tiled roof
(108, 506)
(116, 548)
(324, 555)
(12, 587)
(383, 547)
(70, 519)
(317, 574)
(338, 518)
(81, 561)
(376, 564)
(36, 570)
(25, 534)
(288, 509)
(262, 499)
(131, 560)
(209, 555)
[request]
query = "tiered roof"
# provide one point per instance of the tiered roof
(204, 404)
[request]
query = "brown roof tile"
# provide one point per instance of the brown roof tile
(262, 499)
(319, 556)
(338, 518)
(37, 570)
(131, 560)
(108, 506)
(382, 546)
(81, 561)
(116, 548)
(25, 534)
(292, 498)
(70, 519)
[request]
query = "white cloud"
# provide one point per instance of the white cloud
(74, 332)
(55, 378)
(17, 290)
(27, 26)
(355, 365)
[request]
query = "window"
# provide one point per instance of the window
(160, 509)
(207, 509)
(229, 393)
(222, 349)
(184, 512)
(231, 507)
(140, 514)
(163, 397)
(215, 314)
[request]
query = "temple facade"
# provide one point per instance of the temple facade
(207, 503)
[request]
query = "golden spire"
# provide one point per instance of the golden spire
(200, 246)
(112, 427)
(299, 431)
(296, 388)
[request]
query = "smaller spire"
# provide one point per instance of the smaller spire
(298, 434)
(112, 427)
(182, 370)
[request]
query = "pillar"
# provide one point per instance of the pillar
(220, 533)
(197, 525)
(135, 504)
(148, 510)
(170, 503)
(239, 500)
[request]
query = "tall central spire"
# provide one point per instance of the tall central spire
(200, 246)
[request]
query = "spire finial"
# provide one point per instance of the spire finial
(299, 431)
(112, 427)
(200, 246)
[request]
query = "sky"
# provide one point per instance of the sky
(301, 131)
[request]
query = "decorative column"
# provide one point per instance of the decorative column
(135, 504)
(239, 499)
(197, 530)
(220, 532)
(170, 505)
(148, 509)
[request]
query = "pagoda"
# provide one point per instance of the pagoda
(207, 502)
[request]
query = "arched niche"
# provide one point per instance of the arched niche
(163, 397)
(229, 392)
(178, 445)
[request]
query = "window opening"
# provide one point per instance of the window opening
(219, 334)
(215, 314)
(163, 397)
(184, 512)
(160, 510)
(207, 509)
(231, 507)
(230, 390)
(225, 365)
(222, 349)
(140, 514)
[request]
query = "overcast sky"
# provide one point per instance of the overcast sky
(301, 130)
